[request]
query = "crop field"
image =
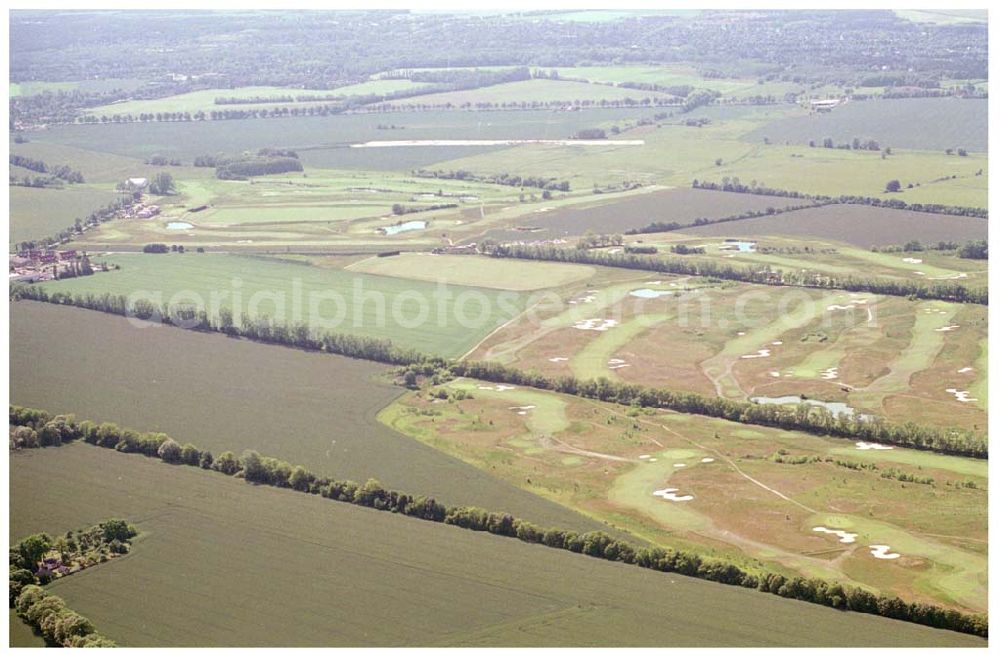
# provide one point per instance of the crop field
(249, 545)
(807, 252)
(39, 212)
(726, 494)
(530, 91)
(88, 85)
(956, 124)
(680, 75)
(877, 355)
(615, 215)
(410, 313)
(225, 394)
(465, 270)
(321, 141)
(857, 225)
(205, 100)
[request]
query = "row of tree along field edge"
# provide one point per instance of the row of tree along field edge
(949, 292)
(39, 558)
(258, 469)
(813, 420)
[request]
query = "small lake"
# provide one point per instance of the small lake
(648, 293)
(180, 225)
(404, 227)
(836, 408)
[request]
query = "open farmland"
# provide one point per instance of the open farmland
(877, 355)
(247, 546)
(533, 91)
(226, 394)
(956, 124)
(858, 225)
(321, 141)
(739, 493)
(678, 75)
(410, 313)
(615, 215)
(196, 101)
(39, 212)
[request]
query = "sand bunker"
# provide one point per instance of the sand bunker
(615, 364)
(965, 369)
(774, 373)
(680, 465)
(882, 552)
(707, 459)
(596, 324)
(643, 456)
(760, 354)
(829, 373)
(500, 388)
(558, 359)
(775, 342)
(955, 276)
(671, 494)
(961, 396)
(947, 328)
(861, 445)
(844, 536)
(912, 260)
(741, 333)
(844, 307)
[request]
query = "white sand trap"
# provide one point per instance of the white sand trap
(680, 465)
(775, 342)
(774, 373)
(741, 333)
(652, 460)
(707, 459)
(955, 276)
(861, 445)
(500, 388)
(829, 373)
(615, 364)
(760, 354)
(596, 324)
(523, 409)
(882, 552)
(861, 301)
(961, 396)
(644, 456)
(840, 307)
(658, 282)
(912, 260)
(844, 536)
(947, 328)
(671, 494)
(965, 369)
(558, 359)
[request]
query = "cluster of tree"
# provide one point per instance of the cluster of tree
(641, 249)
(401, 209)
(160, 160)
(258, 469)
(734, 186)
(155, 248)
(659, 226)
(590, 134)
(256, 166)
(591, 240)
(855, 144)
(62, 172)
(698, 98)
(680, 248)
(752, 274)
(782, 456)
(58, 624)
(975, 250)
(162, 184)
(816, 420)
(506, 179)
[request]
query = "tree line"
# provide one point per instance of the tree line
(813, 420)
(734, 186)
(659, 226)
(506, 179)
(269, 471)
(754, 274)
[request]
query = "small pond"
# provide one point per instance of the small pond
(404, 227)
(648, 293)
(836, 408)
(180, 225)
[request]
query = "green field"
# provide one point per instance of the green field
(530, 91)
(226, 394)
(205, 100)
(240, 548)
(679, 75)
(410, 313)
(36, 213)
(503, 274)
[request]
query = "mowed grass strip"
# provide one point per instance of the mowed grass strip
(228, 394)
(215, 554)
(468, 270)
(413, 314)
